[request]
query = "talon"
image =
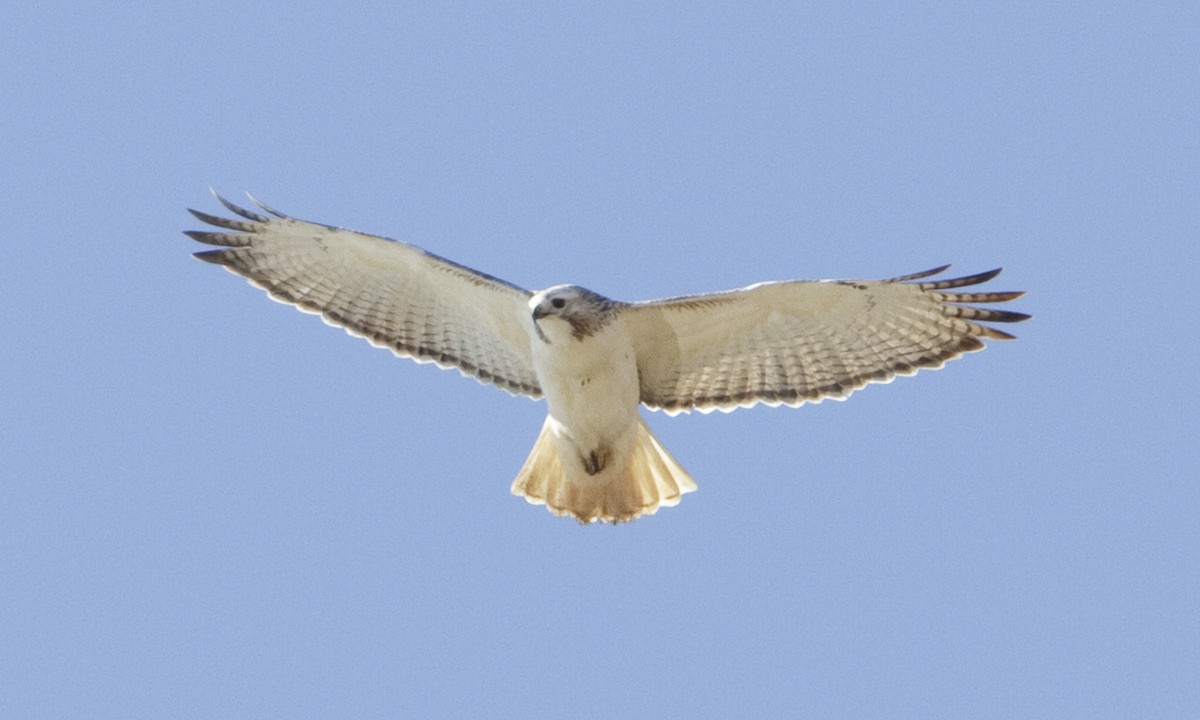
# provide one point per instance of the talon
(595, 461)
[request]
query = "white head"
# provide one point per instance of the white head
(580, 311)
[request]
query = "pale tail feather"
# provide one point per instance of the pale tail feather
(652, 479)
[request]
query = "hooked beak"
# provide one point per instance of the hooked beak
(538, 314)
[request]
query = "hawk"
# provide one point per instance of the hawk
(594, 359)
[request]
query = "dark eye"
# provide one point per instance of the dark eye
(558, 302)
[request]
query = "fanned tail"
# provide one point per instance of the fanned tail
(650, 479)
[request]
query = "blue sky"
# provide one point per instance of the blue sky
(214, 506)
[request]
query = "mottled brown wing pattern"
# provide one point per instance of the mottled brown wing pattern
(395, 295)
(788, 343)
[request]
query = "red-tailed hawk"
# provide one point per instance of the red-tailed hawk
(594, 360)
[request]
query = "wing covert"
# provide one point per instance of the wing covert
(788, 343)
(394, 295)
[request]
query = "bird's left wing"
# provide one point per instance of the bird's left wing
(801, 341)
(395, 295)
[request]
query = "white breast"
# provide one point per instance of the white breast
(590, 384)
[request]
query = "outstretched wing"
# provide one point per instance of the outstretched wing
(787, 343)
(395, 295)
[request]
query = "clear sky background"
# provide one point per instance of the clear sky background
(212, 505)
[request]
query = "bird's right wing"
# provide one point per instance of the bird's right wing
(395, 295)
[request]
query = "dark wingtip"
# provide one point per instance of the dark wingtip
(985, 276)
(266, 207)
(216, 257)
(201, 236)
(1009, 316)
(993, 334)
(238, 210)
(965, 281)
(202, 216)
(922, 274)
(230, 223)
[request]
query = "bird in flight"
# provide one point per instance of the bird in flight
(595, 360)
